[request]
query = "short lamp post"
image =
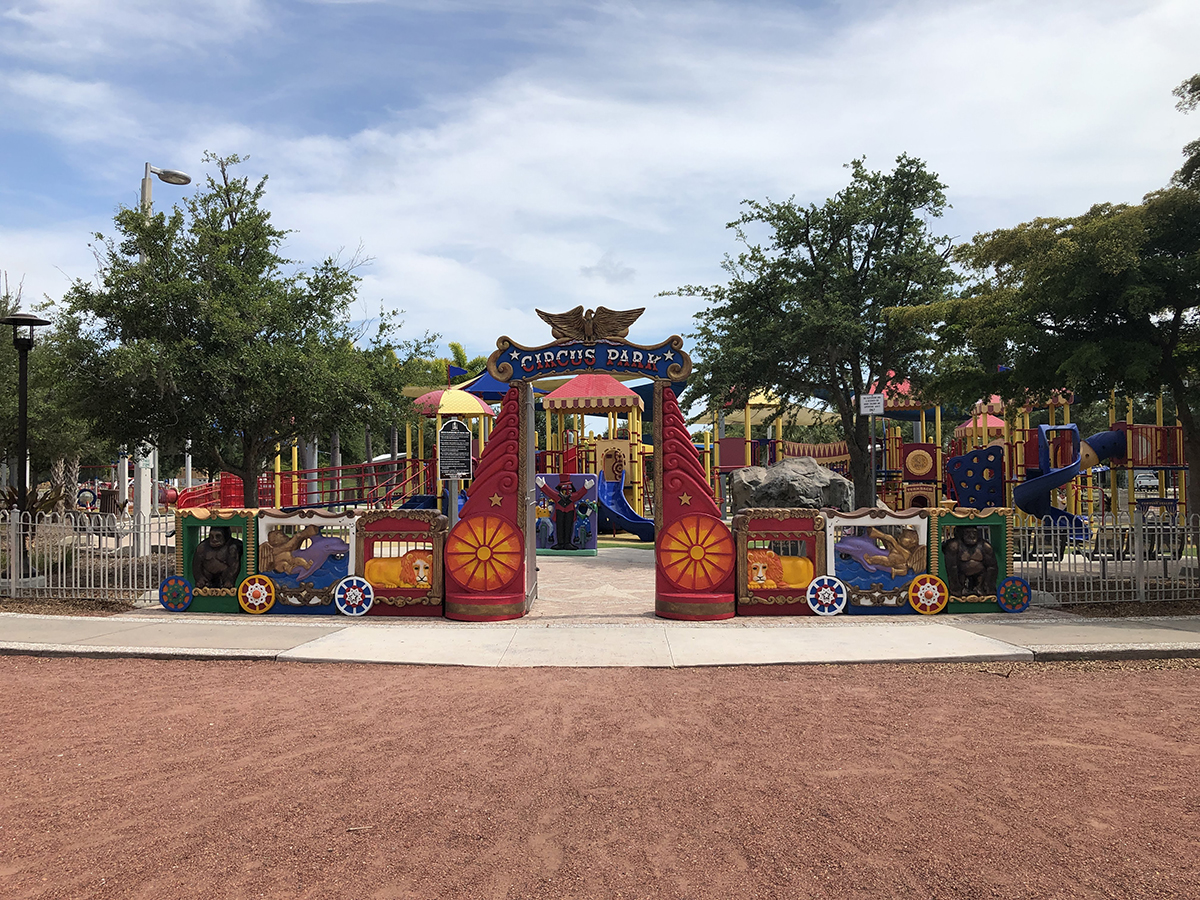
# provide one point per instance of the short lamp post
(22, 326)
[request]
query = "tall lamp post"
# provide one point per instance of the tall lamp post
(169, 176)
(22, 326)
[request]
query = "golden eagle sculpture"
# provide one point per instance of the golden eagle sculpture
(591, 326)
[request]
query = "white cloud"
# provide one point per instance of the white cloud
(76, 112)
(609, 269)
(71, 31)
(627, 147)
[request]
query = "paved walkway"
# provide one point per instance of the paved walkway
(599, 612)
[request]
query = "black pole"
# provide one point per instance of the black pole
(22, 425)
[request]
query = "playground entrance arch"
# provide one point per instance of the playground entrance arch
(491, 569)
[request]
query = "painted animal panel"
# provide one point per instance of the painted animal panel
(412, 570)
(768, 569)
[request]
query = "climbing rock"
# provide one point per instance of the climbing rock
(799, 482)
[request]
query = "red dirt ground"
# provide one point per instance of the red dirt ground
(153, 779)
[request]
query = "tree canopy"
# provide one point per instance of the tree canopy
(198, 328)
(1189, 98)
(803, 313)
(1108, 299)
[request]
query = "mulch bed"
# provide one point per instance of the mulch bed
(65, 607)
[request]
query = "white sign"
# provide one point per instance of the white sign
(871, 404)
(454, 450)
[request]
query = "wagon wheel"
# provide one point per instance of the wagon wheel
(353, 596)
(1014, 594)
(256, 594)
(175, 593)
(928, 594)
(826, 595)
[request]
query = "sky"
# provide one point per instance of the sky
(493, 158)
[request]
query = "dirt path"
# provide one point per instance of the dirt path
(199, 779)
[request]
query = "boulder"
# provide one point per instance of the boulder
(790, 483)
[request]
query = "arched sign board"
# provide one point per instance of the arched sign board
(694, 551)
(590, 342)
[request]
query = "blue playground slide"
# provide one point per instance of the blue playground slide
(1033, 496)
(615, 510)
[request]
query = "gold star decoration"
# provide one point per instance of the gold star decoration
(496, 499)
(685, 500)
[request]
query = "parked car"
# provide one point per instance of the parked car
(1145, 481)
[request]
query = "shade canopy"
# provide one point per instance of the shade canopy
(995, 425)
(594, 393)
(489, 388)
(451, 402)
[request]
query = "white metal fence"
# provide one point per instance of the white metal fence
(1149, 557)
(83, 555)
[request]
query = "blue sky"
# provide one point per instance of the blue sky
(496, 157)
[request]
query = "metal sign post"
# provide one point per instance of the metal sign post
(871, 405)
(454, 460)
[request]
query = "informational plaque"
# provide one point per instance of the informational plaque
(454, 450)
(871, 404)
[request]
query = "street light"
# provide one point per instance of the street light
(170, 176)
(22, 326)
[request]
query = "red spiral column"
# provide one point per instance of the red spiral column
(485, 550)
(693, 547)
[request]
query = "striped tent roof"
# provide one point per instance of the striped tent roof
(994, 425)
(452, 402)
(593, 392)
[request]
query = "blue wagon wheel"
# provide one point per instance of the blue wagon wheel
(1014, 594)
(826, 595)
(175, 593)
(353, 596)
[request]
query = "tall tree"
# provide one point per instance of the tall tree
(1189, 98)
(803, 314)
(198, 328)
(1108, 299)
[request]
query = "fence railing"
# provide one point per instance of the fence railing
(1149, 557)
(84, 555)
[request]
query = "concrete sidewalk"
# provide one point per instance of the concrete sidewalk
(640, 641)
(598, 611)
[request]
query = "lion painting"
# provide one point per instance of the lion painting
(766, 570)
(412, 570)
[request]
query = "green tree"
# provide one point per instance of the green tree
(1108, 299)
(803, 314)
(10, 302)
(1189, 98)
(435, 371)
(215, 337)
(59, 435)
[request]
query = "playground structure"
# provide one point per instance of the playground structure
(405, 561)
(1013, 464)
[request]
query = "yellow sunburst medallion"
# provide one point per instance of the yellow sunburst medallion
(696, 553)
(483, 553)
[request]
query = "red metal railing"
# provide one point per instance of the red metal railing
(382, 484)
